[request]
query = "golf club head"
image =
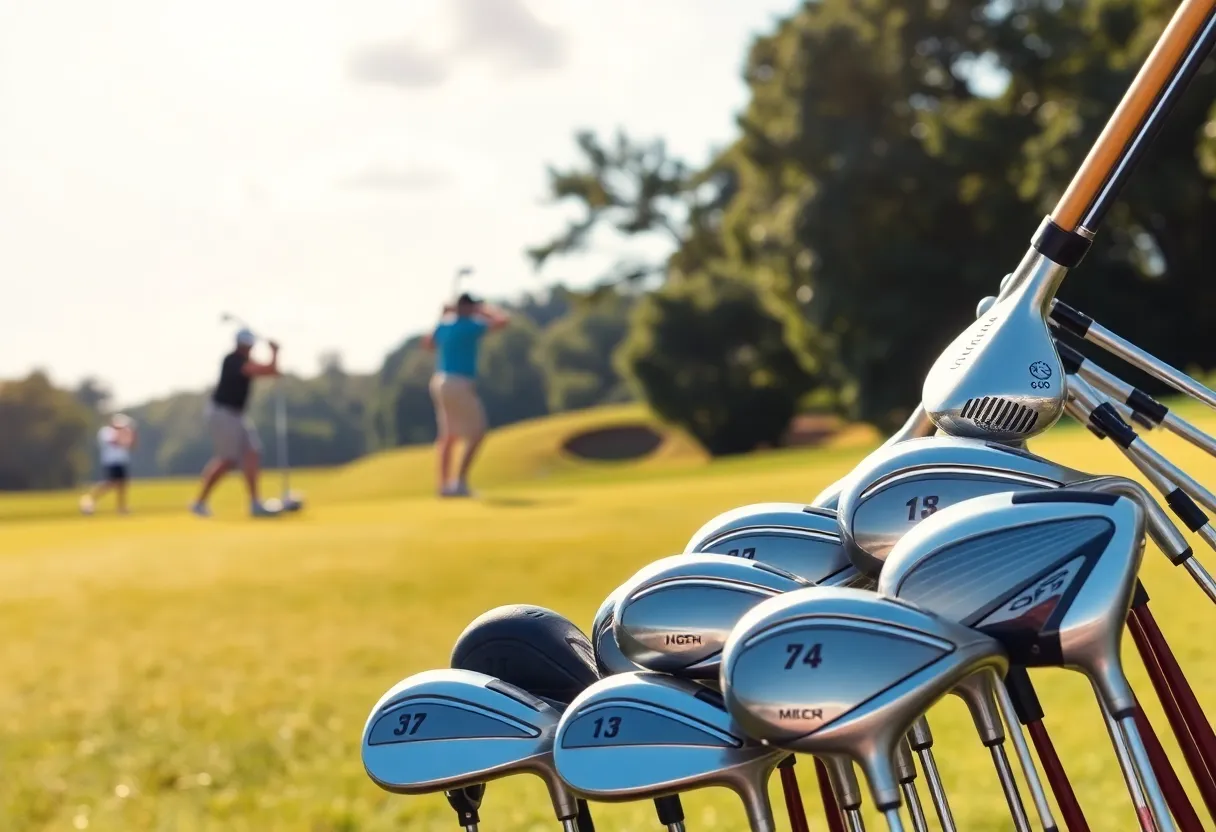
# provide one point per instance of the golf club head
(1001, 378)
(898, 486)
(609, 659)
(840, 671)
(917, 425)
(674, 615)
(292, 501)
(531, 647)
(638, 735)
(799, 539)
(1049, 574)
(446, 729)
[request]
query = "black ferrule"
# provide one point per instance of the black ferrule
(670, 810)
(1069, 357)
(1147, 406)
(1025, 700)
(1064, 247)
(1107, 420)
(1186, 510)
(1073, 320)
(1139, 595)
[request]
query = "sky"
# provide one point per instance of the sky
(318, 167)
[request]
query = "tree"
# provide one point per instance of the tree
(511, 385)
(637, 189)
(575, 354)
(708, 357)
(46, 435)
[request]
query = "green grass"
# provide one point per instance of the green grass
(167, 673)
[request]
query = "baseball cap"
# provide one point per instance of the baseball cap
(246, 338)
(467, 298)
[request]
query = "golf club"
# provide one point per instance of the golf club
(637, 735)
(799, 539)
(446, 729)
(840, 671)
(542, 652)
(1001, 378)
(1048, 573)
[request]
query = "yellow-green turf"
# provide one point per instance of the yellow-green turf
(163, 672)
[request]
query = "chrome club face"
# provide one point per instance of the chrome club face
(446, 729)
(608, 656)
(800, 539)
(896, 488)
(1048, 574)
(675, 615)
(842, 671)
(638, 735)
(1001, 378)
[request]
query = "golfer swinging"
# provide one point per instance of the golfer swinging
(114, 443)
(458, 409)
(233, 435)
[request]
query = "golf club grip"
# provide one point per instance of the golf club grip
(1057, 777)
(669, 808)
(793, 799)
(1175, 796)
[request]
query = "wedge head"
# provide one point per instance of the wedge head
(800, 539)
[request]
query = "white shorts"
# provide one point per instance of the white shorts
(458, 410)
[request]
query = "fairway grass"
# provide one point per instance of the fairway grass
(163, 672)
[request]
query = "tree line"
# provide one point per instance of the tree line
(890, 167)
(556, 355)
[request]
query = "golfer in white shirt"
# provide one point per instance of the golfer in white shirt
(114, 443)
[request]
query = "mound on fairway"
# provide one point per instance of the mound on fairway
(533, 450)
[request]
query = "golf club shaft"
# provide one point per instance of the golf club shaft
(1083, 326)
(1150, 411)
(1175, 795)
(1130, 778)
(1025, 759)
(852, 819)
(1061, 786)
(1004, 773)
(894, 822)
(831, 808)
(1195, 33)
(793, 797)
(1019, 698)
(1144, 770)
(920, 738)
(915, 810)
(1147, 100)
(1177, 720)
(1172, 682)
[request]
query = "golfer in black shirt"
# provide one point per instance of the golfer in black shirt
(233, 435)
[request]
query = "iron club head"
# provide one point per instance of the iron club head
(840, 671)
(446, 729)
(674, 616)
(637, 735)
(800, 539)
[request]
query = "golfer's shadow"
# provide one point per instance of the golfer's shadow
(517, 502)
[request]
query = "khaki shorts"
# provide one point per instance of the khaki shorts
(458, 409)
(232, 434)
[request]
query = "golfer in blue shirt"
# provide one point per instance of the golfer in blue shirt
(459, 414)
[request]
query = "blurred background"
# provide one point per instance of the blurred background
(734, 213)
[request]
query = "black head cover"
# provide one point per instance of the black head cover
(530, 647)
